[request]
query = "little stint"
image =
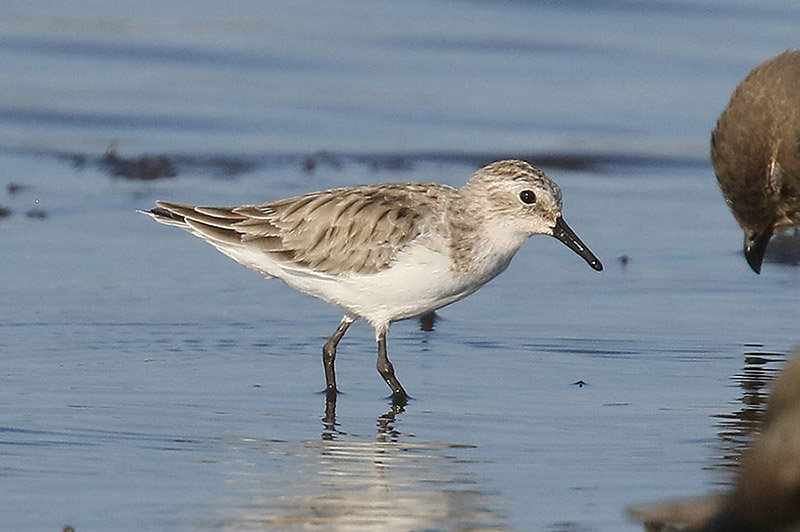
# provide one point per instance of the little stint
(387, 252)
(755, 149)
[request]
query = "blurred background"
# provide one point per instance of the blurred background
(147, 382)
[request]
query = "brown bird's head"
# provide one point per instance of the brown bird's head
(755, 149)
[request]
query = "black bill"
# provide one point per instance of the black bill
(755, 246)
(563, 232)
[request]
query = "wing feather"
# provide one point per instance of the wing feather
(349, 230)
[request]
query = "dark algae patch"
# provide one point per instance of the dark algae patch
(141, 168)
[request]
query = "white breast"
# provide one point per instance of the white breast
(419, 281)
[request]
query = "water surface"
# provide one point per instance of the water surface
(150, 383)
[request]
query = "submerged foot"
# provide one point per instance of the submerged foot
(400, 399)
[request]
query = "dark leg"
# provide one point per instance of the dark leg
(385, 368)
(329, 355)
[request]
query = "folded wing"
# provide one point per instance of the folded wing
(351, 230)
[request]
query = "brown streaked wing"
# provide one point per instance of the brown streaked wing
(350, 230)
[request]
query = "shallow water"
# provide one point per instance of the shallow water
(150, 383)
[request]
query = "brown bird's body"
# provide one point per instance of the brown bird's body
(755, 149)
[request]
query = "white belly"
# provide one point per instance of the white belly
(419, 281)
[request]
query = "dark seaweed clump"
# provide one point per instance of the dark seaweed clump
(141, 168)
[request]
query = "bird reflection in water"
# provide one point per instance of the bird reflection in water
(736, 429)
(764, 497)
(390, 482)
(385, 423)
(387, 483)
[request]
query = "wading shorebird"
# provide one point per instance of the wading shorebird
(755, 149)
(387, 252)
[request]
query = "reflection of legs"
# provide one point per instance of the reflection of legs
(386, 370)
(329, 355)
(386, 425)
(329, 419)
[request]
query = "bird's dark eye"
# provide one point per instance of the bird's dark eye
(527, 197)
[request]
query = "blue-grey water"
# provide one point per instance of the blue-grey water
(149, 383)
